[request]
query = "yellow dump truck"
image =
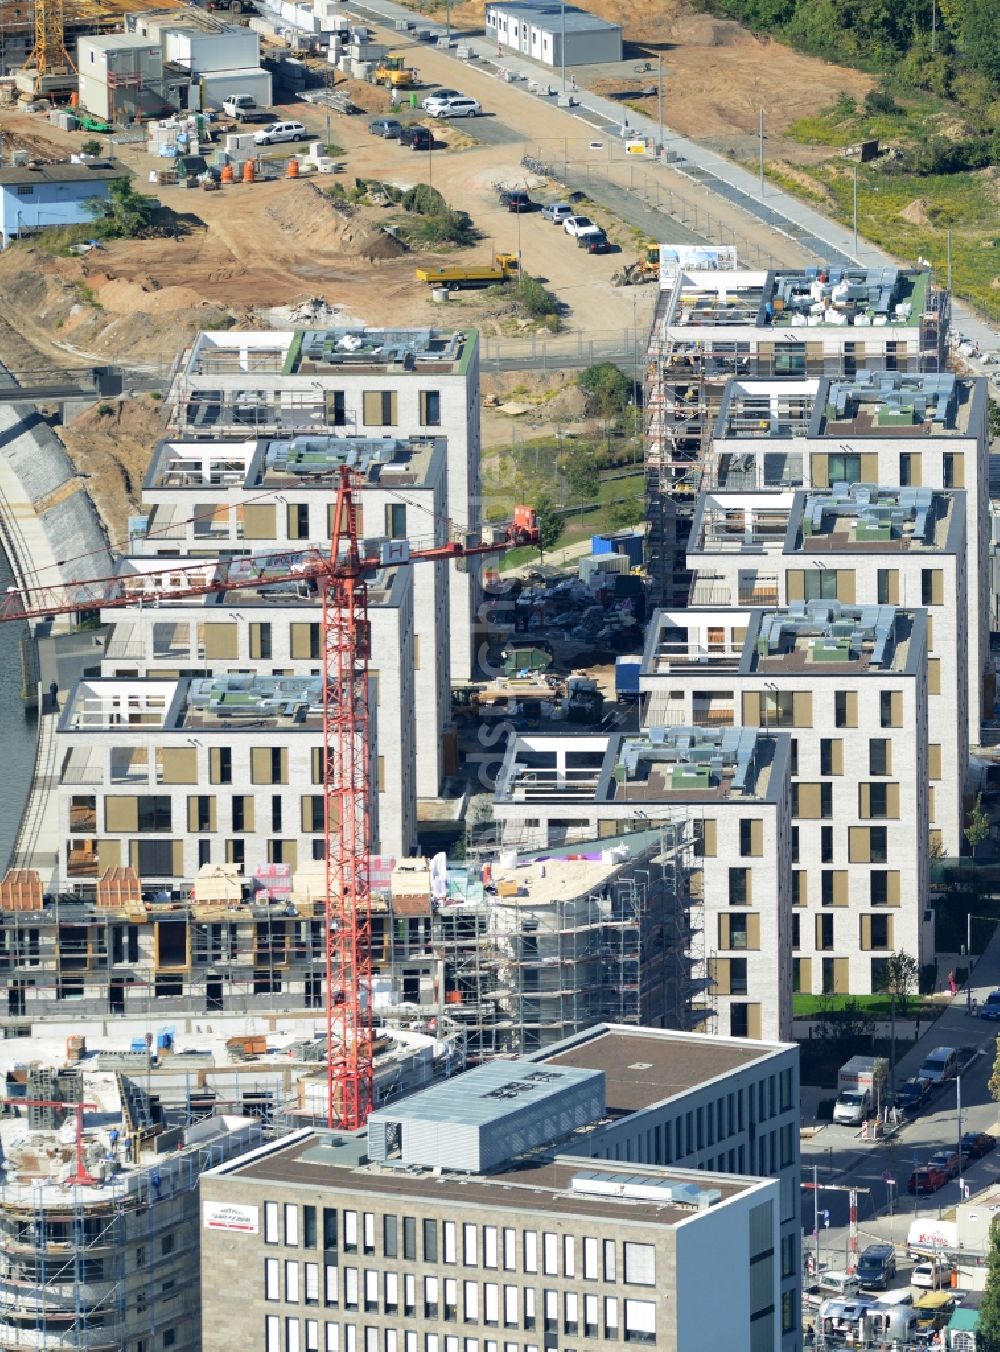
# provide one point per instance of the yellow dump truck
(502, 269)
(394, 73)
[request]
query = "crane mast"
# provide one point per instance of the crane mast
(346, 639)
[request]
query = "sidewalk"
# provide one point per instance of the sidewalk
(735, 185)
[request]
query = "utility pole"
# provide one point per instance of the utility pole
(949, 266)
(816, 1213)
(562, 41)
(852, 1198)
(761, 134)
(447, 24)
(961, 1167)
(855, 211)
(933, 26)
(659, 86)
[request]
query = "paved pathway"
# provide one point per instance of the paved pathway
(777, 208)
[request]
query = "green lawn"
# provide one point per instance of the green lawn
(878, 1006)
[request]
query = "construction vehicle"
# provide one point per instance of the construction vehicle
(88, 122)
(644, 269)
(504, 268)
(524, 527)
(394, 73)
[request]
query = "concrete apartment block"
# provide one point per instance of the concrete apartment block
(725, 792)
(350, 381)
(884, 428)
(217, 498)
(861, 545)
(849, 683)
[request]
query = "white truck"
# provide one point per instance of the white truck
(240, 106)
(860, 1089)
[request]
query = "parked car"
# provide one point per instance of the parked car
(556, 212)
(948, 1161)
(281, 131)
(976, 1144)
(931, 1274)
(990, 1008)
(386, 127)
(926, 1180)
(440, 94)
(417, 137)
(911, 1096)
(517, 201)
(876, 1267)
(575, 225)
(460, 107)
(939, 1065)
(594, 241)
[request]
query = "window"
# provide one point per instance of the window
(350, 1232)
(431, 1297)
(826, 844)
(891, 708)
(931, 587)
(640, 1321)
(800, 887)
(954, 471)
(371, 1291)
(751, 836)
(888, 587)
(611, 1316)
(470, 1302)
(509, 1249)
(739, 1020)
(737, 980)
(449, 1242)
(469, 1245)
(530, 1251)
(331, 1293)
(350, 1288)
(824, 932)
(291, 1335)
(640, 1264)
(430, 1241)
(311, 1276)
(379, 408)
(510, 1315)
(879, 756)
(291, 1282)
(220, 765)
(550, 1262)
(831, 756)
(395, 520)
(909, 470)
(271, 1223)
(391, 1293)
(272, 1290)
(272, 1333)
(297, 522)
(490, 1246)
(25, 190)
(430, 408)
(389, 1237)
(795, 844)
(329, 1227)
(739, 887)
(369, 1231)
(610, 1267)
(845, 708)
(410, 1238)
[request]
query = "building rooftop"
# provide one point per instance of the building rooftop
(821, 638)
(318, 352)
(850, 518)
(209, 703)
(317, 1160)
(676, 765)
(113, 42)
(644, 1066)
(865, 518)
(549, 18)
(820, 295)
(62, 171)
(766, 408)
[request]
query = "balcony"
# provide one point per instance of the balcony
(705, 592)
(759, 595)
(713, 713)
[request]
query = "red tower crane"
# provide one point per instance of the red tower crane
(79, 1174)
(346, 647)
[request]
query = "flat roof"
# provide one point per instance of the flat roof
(260, 354)
(550, 18)
(643, 1067)
(63, 171)
(868, 519)
(534, 1183)
(486, 1094)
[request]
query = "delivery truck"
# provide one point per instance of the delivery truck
(860, 1089)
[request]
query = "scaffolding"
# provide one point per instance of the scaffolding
(106, 1268)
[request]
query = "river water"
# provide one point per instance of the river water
(18, 728)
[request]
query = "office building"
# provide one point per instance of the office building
(725, 794)
(860, 545)
(849, 683)
(555, 36)
(374, 383)
(473, 1211)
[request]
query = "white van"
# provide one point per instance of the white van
(839, 1285)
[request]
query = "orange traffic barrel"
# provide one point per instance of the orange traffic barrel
(293, 169)
(227, 173)
(248, 171)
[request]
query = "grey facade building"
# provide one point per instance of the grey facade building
(544, 31)
(406, 1240)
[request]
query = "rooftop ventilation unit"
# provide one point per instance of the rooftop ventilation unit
(645, 1188)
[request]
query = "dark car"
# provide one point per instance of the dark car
(948, 1161)
(976, 1144)
(876, 1267)
(911, 1097)
(596, 243)
(517, 201)
(386, 127)
(926, 1180)
(990, 1008)
(416, 137)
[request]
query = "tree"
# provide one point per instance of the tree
(994, 419)
(124, 214)
(550, 523)
(994, 1084)
(988, 1328)
(978, 825)
(901, 976)
(607, 389)
(981, 38)
(582, 476)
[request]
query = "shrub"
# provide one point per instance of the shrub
(91, 148)
(880, 101)
(535, 299)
